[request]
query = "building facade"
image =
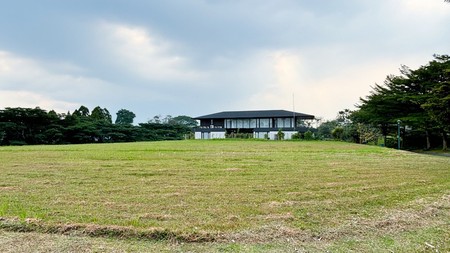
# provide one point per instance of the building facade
(261, 124)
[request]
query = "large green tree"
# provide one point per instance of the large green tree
(418, 98)
(381, 108)
(125, 117)
(437, 104)
(83, 111)
(99, 114)
(184, 121)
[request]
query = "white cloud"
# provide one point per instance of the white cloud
(29, 99)
(425, 7)
(281, 80)
(415, 22)
(145, 54)
(28, 83)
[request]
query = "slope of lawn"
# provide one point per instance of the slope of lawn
(228, 195)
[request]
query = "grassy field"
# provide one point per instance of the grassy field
(223, 196)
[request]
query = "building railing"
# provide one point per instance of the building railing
(211, 126)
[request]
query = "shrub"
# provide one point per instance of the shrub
(309, 135)
(296, 136)
(280, 135)
(337, 133)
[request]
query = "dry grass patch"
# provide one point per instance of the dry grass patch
(93, 230)
(232, 169)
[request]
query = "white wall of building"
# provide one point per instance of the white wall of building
(259, 135)
(287, 135)
(217, 135)
(209, 135)
(273, 135)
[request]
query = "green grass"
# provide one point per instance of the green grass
(231, 195)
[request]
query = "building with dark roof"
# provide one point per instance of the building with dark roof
(262, 124)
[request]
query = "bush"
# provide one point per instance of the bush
(296, 136)
(280, 135)
(337, 133)
(309, 135)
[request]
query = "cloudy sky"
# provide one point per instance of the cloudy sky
(196, 57)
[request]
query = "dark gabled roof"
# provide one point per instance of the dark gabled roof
(255, 114)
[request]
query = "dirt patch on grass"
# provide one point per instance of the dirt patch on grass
(268, 233)
(232, 169)
(418, 214)
(9, 188)
(155, 216)
(283, 216)
(404, 219)
(93, 230)
(276, 204)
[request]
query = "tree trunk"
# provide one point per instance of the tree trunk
(444, 141)
(427, 133)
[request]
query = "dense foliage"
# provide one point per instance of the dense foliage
(24, 126)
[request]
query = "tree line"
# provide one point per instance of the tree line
(29, 126)
(417, 102)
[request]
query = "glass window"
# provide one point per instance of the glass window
(245, 123)
(264, 123)
(240, 123)
(287, 122)
(228, 123)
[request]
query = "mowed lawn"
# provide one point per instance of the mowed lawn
(229, 195)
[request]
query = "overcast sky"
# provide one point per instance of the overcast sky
(196, 57)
